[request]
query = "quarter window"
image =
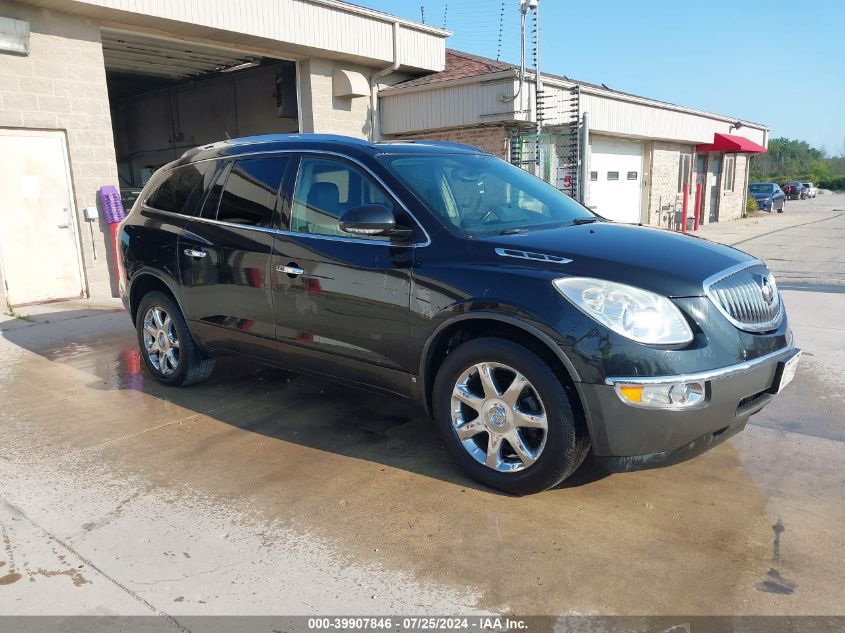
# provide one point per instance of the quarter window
(325, 190)
(251, 190)
(173, 192)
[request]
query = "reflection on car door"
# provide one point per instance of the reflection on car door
(224, 257)
(340, 297)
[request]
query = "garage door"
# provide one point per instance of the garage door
(616, 173)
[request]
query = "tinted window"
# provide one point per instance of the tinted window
(212, 200)
(249, 197)
(325, 190)
(173, 191)
(477, 194)
(761, 188)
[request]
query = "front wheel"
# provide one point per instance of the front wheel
(169, 352)
(506, 418)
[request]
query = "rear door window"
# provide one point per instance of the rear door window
(250, 194)
(180, 189)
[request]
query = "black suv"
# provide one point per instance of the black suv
(529, 328)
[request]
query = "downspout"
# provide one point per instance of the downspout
(375, 128)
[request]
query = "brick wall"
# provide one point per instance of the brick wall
(61, 85)
(324, 113)
(493, 139)
(663, 183)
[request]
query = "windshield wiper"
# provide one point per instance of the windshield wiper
(584, 221)
(511, 231)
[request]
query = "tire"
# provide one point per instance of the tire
(782, 206)
(557, 450)
(159, 335)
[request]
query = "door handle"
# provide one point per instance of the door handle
(190, 252)
(294, 271)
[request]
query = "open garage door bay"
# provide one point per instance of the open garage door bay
(169, 95)
(616, 176)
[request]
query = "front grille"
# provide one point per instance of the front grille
(747, 296)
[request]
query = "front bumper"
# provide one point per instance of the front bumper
(626, 437)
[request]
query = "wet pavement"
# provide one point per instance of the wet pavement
(262, 492)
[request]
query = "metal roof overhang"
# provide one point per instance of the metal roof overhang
(732, 144)
(144, 54)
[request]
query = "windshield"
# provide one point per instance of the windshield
(482, 195)
(760, 188)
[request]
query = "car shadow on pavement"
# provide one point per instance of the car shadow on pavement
(264, 400)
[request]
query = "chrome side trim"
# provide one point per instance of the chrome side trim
(535, 257)
(712, 374)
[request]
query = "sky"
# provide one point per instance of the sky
(778, 63)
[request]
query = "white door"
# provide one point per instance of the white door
(38, 236)
(616, 176)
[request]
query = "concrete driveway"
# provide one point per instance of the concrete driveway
(261, 492)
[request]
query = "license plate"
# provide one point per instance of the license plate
(788, 372)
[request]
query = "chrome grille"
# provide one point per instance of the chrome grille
(748, 297)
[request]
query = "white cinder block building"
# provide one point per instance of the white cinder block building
(103, 92)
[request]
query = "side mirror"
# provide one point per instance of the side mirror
(368, 219)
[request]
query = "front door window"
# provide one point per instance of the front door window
(325, 190)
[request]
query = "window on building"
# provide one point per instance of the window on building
(632, 175)
(249, 197)
(594, 175)
(730, 172)
(613, 175)
(325, 190)
(173, 191)
(684, 169)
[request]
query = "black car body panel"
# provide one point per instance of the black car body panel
(371, 313)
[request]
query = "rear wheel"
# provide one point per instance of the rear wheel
(506, 418)
(169, 352)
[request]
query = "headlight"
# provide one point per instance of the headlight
(637, 314)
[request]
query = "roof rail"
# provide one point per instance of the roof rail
(425, 141)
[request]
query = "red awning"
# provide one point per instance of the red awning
(731, 143)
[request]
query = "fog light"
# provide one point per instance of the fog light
(679, 395)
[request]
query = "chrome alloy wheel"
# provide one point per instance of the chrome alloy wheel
(499, 417)
(161, 342)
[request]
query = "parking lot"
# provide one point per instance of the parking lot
(261, 492)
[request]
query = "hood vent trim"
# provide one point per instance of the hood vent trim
(534, 257)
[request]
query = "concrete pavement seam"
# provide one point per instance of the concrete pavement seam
(786, 228)
(91, 564)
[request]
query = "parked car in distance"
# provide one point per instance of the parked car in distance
(530, 329)
(794, 191)
(769, 196)
(810, 190)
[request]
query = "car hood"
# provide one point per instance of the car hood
(662, 261)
